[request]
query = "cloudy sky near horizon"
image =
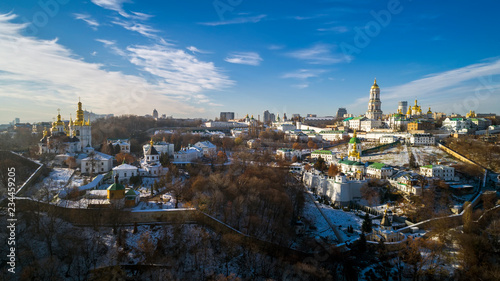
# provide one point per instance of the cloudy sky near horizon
(195, 58)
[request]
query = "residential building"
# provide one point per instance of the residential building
(341, 112)
(422, 139)
(327, 155)
(369, 124)
(438, 171)
(420, 125)
(388, 139)
(187, 155)
(379, 171)
(288, 153)
(207, 148)
(97, 163)
(226, 116)
(160, 147)
(124, 172)
(457, 124)
(124, 144)
(333, 135)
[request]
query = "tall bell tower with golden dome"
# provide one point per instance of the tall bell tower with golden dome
(374, 104)
(81, 128)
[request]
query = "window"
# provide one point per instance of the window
(124, 174)
(102, 169)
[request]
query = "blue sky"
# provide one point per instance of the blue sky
(196, 58)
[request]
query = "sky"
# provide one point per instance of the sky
(195, 58)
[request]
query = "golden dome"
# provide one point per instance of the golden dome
(429, 112)
(375, 86)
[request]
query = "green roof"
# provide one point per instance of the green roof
(354, 140)
(322, 152)
(116, 186)
(331, 132)
(377, 165)
(349, 118)
(357, 118)
(428, 166)
(348, 162)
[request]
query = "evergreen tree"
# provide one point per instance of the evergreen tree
(367, 224)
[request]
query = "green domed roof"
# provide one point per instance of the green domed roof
(116, 185)
(354, 140)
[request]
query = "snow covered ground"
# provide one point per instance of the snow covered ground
(395, 156)
(423, 153)
(337, 217)
(58, 177)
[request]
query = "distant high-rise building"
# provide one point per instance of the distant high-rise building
(155, 114)
(311, 115)
(341, 111)
(17, 121)
(374, 104)
(402, 107)
(272, 117)
(224, 116)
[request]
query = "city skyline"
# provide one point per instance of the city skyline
(199, 59)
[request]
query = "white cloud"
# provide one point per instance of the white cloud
(140, 28)
(88, 19)
(112, 46)
(193, 49)
(301, 86)
(336, 29)
(239, 20)
(303, 73)
(38, 76)
(276, 47)
(319, 54)
(249, 58)
(114, 5)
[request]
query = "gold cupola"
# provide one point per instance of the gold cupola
(375, 86)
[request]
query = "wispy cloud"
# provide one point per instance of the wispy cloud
(112, 46)
(301, 86)
(276, 47)
(88, 19)
(319, 54)
(140, 28)
(114, 5)
(336, 29)
(239, 20)
(38, 76)
(303, 73)
(249, 58)
(193, 49)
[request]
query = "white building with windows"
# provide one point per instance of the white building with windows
(288, 153)
(161, 147)
(369, 124)
(124, 172)
(379, 171)
(97, 162)
(438, 171)
(333, 135)
(208, 148)
(354, 123)
(422, 139)
(187, 155)
(388, 139)
(124, 144)
(327, 155)
(339, 189)
(457, 124)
